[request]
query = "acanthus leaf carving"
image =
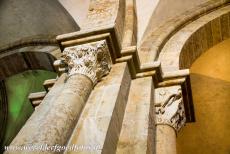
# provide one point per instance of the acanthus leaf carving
(91, 59)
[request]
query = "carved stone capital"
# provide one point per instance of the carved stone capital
(91, 59)
(169, 107)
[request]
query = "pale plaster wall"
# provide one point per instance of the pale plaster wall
(26, 19)
(144, 10)
(150, 13)
(210, 81)
(164, 10)
(78, 9)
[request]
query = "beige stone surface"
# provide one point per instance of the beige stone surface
(210, 81)
(216, 31)
(130, 25)
(177, 13)
(118, 116)
(169, 107)
(159, 16)
(185, 46)
(165, 140)
(89, 59)
(39, 113)
(54, 120)
(224, 21)
(156, 38)
(101, 16)
(103, 13)
(170, 118)
(101, 119)
(144, 11)
(137, 134)
(214, 62)
(78, 9)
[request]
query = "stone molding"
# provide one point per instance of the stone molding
(90, 59)
(169, 107)
(188, 43)
(130, 55)
(155, 40)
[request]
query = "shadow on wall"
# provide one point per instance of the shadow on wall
(210, 133)
(210, 82)
(39, 19)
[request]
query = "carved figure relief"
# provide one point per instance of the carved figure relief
(170, 109)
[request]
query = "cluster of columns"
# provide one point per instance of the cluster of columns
(54, 120)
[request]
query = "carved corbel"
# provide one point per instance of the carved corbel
(169, 107)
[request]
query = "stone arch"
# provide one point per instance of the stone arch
(19, 62)
(190, 41)
(118, 31)
(153, 46)
(77, 9)
(187, 44)
(159, 16)
(19, 21)
(210, 83)
(28, 29)
(28, 54)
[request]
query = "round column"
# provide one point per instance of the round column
(170, 118)
(52, 123)
(165, 139)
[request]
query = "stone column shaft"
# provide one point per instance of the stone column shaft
(165, 139)
(100, 122)
(170, 118)
(61, 119)
(54, 121)
(56, 126)
(137, 133)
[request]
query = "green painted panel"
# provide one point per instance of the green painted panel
(18, 88)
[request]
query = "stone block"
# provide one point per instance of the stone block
(137, 134)
(216, 31)
(101, 119)
(225, 29)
